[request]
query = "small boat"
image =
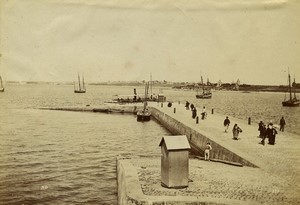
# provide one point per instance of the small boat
(145, 114)
(292, 101)
(79, 89)
(1, 85)
(206, 91)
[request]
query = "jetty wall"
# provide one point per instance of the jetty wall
(197, 140)
(129, 191)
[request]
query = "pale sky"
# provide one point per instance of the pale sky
(255, 41)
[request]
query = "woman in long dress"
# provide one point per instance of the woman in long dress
(236, 131)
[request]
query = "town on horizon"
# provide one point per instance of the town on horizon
(235, 86)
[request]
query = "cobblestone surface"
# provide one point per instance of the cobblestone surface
(219, 181)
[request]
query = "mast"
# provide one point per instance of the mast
(294, 88)
(145, 100)
(79, 82)
(151, 83)
(1, 82)
(202, 84)
(290, 87)
(83, 83)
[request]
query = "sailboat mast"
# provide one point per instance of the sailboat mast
(294, 88)
(83, 83)
(151, 82)
(145, 100)
(202, 84)
(79, 82)
(290, 87)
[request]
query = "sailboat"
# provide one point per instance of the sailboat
(79, 89)
(1, 85)
(145, 114)
(292, 101)
(206, 91)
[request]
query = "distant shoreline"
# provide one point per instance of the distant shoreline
(178, 86)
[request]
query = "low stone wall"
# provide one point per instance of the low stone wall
(197, 140)
(131, 109)
(129, 190)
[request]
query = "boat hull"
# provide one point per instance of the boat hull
(204, 96)
(141, 116)
(291, 103)
(79, 91)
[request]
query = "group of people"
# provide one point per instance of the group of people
(235, 130)
(194, 110)
(269, 131)
(266, 131)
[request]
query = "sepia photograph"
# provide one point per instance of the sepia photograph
(157, 102)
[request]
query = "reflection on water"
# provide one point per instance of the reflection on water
(57, 157)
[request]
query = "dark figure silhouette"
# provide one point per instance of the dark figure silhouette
(271, 134)
(187, 105)
(282, 124)
(226, 123)
(261, 129)
(263, 134)
(192, 106)
(194, 113)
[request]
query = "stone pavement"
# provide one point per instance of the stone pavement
(280, 161)
(217, 183)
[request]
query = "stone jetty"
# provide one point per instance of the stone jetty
(270, 173)
(267, 174)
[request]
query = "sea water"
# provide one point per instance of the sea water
(61, 157)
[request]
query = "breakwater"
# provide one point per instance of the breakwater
(197, 137)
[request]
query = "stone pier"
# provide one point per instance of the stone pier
(269, 174)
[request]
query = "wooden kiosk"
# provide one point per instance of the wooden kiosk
(174, 161)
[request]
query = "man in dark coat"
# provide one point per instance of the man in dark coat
(261, 129)
(282, 124)
(263, 133)
(226, 123)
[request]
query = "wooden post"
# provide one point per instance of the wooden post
(174, 109)
(249, 121)
(197, 120)
(212, 111)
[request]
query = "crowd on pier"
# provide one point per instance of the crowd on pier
(266, 131)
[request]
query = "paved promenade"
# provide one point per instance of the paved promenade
(214, 183)
(279, 161)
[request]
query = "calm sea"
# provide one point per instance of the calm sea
(58, 157)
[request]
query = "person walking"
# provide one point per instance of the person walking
(194, 112)
(236, 131)
(263, 134)
(203, 113)
(261, 129)
(187, 105)
(192, 106)
(226, 123)
(207, 151)
(271, 134)
(282, 124)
